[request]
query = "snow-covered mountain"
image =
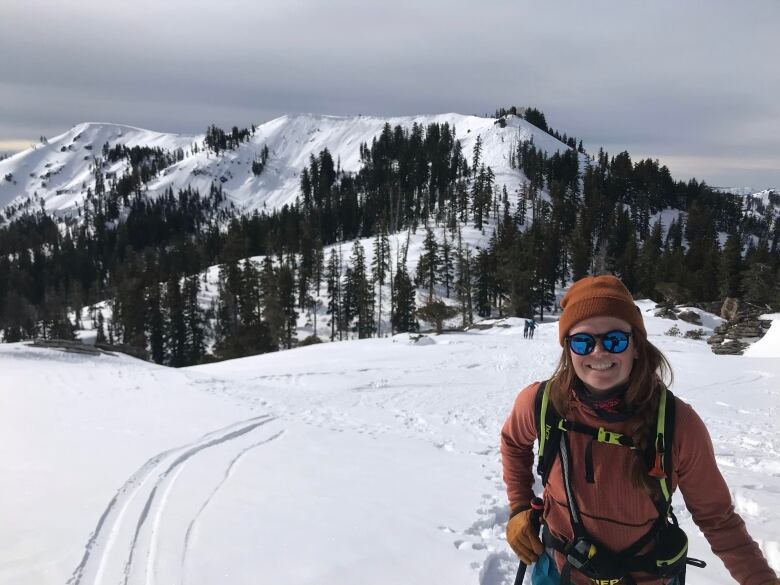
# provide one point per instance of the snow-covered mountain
(761, 199)
(744, 190)
(59, 172)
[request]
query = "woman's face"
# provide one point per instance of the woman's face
(600, 370)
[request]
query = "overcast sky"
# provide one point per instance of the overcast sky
(695, 84)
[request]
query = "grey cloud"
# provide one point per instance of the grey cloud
(682, 79)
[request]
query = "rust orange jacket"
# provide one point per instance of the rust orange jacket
(615, 512)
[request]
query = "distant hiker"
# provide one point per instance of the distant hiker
(526, 327)
(531, 328)
(615, 445)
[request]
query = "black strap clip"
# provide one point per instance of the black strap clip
(579, 552)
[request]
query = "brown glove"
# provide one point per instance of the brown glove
(523, 537)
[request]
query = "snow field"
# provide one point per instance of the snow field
(362, 461)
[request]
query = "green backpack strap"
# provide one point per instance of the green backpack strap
(661, 463)
(548, 430)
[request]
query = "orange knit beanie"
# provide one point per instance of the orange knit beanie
(596, 296)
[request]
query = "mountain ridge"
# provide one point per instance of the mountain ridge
(58, 173)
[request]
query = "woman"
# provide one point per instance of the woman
(606, 416)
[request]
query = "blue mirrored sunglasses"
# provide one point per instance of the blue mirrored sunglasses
(585, 343)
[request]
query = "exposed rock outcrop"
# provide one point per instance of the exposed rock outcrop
(743, 326)
(689, 317)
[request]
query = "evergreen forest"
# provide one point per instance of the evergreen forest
(136, 263)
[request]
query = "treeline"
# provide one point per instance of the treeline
(406, 175)
(155, 159)
(219, 140)
(600, 220)
(48, 269)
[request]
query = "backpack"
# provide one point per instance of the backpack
(668, 556)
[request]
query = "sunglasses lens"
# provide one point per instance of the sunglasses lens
(582, 343)
(585, 343)
(615, 342)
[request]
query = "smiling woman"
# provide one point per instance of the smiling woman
(614, 444)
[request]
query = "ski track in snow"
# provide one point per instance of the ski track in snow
(104, 554)
(228, 473)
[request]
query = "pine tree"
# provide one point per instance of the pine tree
(514, 268)
(227, 327)
(730, 270)
(579, 247)
(333, 283)
(544, 261)
(156, 324)
(626, 263)
(361, 292)
(759, 285)
(428, 265)
(195, 321)
(483, 276)
(463, 280)
(447, 266)
(403, 300)
(249, 305)
(477, 154)
(521, 210)
(101, 330)
(272, 313)
(286, 284)
(254, 333)
(675, 234)
(478, 196)
(649, 259)
(314, 303)
(130, 303)
(348, 302)
(403, 295)
(380, 266)
(176, 334)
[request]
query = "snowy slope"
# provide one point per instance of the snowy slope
(290, 139)
(769, 344)
(371, 461)
(746, 191)
(59, 172)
